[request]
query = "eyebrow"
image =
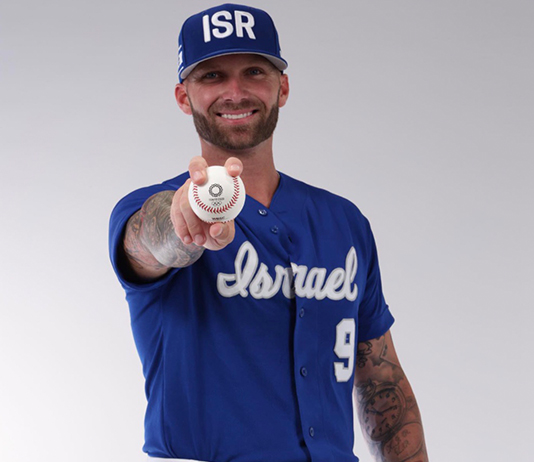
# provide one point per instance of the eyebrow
(255, 61)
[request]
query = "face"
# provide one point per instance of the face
(234, 100)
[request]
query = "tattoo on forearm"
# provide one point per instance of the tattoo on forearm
(379, 348)
(406, 444)
(364, 350)
(387, 409)
(150, 240)
(134, 249)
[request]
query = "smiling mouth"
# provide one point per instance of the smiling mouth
(236, 116)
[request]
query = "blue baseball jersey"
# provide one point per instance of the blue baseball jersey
(249, 353)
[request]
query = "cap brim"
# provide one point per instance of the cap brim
(279, 63)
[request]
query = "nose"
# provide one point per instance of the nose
(235, 89)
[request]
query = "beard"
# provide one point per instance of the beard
(237, 137)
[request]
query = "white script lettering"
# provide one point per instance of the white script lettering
(252, 278)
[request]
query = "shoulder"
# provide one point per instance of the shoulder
(321, 199)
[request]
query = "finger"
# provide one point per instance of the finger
(195, 226)
(216, 229)
(223, 233)
(234, 166)
(177, 218)
(197, 170)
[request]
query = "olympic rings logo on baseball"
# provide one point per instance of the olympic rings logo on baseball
(220, 198)
(215, 190)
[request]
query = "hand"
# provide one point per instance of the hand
(187, 226)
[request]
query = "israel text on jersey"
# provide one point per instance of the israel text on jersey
(252, 278)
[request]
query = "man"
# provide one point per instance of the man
(253, 333)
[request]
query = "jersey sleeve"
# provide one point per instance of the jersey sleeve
(120, 215)
(374, 318)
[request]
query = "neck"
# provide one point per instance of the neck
(259, 173)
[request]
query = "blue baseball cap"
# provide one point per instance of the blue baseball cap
(224, 30)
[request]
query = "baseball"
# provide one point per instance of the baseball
(220, 198)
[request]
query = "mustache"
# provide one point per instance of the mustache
(241, 106)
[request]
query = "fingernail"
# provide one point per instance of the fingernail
(197, 176)
(199, 239)
(234, 168)
(187, 240)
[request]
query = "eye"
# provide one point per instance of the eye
(255, 71)
(211, 75)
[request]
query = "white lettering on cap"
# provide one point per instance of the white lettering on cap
(243, 21)
(248, 25)
(180, 57)
(217, 22)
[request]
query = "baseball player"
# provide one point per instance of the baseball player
(254, 333)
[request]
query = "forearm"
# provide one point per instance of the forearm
(387, 408)
(151, 244)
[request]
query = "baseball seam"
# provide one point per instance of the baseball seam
(217, 210)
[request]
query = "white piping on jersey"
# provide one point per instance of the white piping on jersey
(294, 280)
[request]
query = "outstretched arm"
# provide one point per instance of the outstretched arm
(151, 244)
(387, 409)
(166, 233)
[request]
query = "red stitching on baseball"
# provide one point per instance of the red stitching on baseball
(217, 210)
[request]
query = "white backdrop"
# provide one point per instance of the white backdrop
(422, 113)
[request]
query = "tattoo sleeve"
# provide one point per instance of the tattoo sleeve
(150, 243)
(387, 409)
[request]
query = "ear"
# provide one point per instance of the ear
(180, 94)
(284, 90)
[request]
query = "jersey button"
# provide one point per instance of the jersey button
(302, 312)
(262, 212)
(274, 229)
(312, 432)
(303, 371)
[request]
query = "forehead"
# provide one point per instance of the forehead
(233, 61)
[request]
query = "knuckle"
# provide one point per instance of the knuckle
(195, 227)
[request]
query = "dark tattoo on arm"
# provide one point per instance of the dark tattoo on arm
(364, 350)
(376, 351)
(387, 409)
(150, 243)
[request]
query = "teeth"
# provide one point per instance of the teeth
(236, 116)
